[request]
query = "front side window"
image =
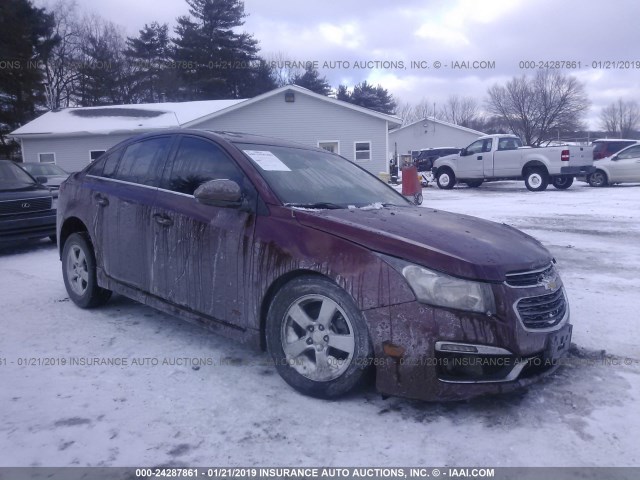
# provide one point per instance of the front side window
(632, 152)
(142, 162)
(475, 147)
(363, 151)
(197, 161)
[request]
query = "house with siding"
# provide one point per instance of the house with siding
(72, 137)
(429, 133)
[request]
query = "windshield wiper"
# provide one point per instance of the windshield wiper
(317, 205)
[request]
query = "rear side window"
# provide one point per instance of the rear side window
(142, 162)
(105, 166)
(197, 161)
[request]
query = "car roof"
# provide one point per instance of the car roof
(604, 140)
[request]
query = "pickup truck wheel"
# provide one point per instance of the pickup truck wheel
(318, 338)
(474, 183)
(536, 180)
(598, 179)
(562, 182)
(79, 272)
(446, 179)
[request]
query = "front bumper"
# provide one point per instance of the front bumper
(436, 354)
(23, 227)
(582, 170)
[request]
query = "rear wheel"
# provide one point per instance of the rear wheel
(317, 337)
(446, 179)
(474, 183)
(563, 182)
(536, 179)
(598, 179)
(79, 272)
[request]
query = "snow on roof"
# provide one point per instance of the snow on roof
(440, 122)
(122, 118)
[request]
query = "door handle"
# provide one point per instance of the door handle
(100, 200)
(163, 220)
(479, 157)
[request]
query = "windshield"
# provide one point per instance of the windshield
(11, 174)
(43, 169)
(307, 178)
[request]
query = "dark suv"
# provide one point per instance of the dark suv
(27, 209)
(423, 159)
(608, 146)
(297, 250)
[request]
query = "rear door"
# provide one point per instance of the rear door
(124, 196)
(202, 253)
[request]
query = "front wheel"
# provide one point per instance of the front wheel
(317, 337)
(598, 179)
(446, 179)
(79, 272)
(536, 180)
(562, 182)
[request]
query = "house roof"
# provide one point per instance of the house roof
(152, 116)
(439, 122)
(393, 120)
(121, 118)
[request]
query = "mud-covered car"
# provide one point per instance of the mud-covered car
(301, 252)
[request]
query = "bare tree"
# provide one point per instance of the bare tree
(282, 73)
(463, 111)
(61, 65)
(410, 113)
(536, 107)
(621, 118)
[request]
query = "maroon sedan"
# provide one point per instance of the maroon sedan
(299, 251)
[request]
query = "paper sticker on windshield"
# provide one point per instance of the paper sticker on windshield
(267, 160)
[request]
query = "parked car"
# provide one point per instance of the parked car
(622, 167)
(53, 174)
(27, 209)
(302, 252)
(606, 147)
(502, 157)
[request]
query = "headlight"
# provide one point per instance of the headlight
(435, 288)
(54, 203)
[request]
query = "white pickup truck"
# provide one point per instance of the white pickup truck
(502, 157)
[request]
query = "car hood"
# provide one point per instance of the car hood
(55, 181)
(18, 191)
(459, 245)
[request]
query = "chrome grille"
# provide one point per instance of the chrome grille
(26, 205)
(543, 311)
(531, 278)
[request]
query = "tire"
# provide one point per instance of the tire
(53, 238)
(417, 199)
(446, 179)
(474, 183)
(79, 272)
(598, 179)
(296, 324)
(562, 182)
(536, 180)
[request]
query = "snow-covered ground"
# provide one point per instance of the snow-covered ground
(237, 411)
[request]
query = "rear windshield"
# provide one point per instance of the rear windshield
(43, 169)
(301, 177)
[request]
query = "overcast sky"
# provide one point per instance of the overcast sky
(505, 32)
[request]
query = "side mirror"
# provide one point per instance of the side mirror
(463, 152)
(219, 193)
(41, 179)
(615, 157)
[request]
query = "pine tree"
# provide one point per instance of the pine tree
(149, 55)
(26, 38)
(311, 80)
(343, 93)
(375, 98)
(213, 60)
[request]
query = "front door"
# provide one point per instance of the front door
(202, 253)
(626, 167)
(471, 165)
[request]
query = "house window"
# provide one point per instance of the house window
(362, 151)
(332, 146)
(94, 154)
(47, 157)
